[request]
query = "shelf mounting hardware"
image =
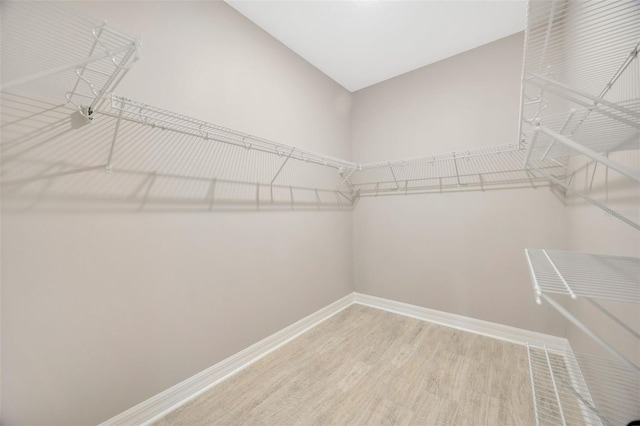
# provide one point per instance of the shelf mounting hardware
(108, 168)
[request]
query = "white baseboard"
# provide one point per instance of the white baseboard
(485, 328)
(159, 405)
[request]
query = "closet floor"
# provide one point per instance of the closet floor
(368, 366)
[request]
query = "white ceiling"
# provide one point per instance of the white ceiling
(360, 43)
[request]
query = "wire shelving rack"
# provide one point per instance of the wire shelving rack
(53, 49)
(479, 168)
(578, 389)
(581, 87)
(590, 277)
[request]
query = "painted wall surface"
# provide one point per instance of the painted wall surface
(455, 252)
(108, 299)
(104, 308)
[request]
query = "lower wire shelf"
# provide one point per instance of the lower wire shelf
(578, 389)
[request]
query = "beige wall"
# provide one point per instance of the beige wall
(456, 252)
(103, 309)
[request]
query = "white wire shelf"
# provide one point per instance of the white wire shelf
(56, 52)
(581, 87)
(593, 130)
(584, 52)
(148, 115)
(577, 389)
(481, 168)
(585, 275)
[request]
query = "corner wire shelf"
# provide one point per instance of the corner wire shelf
(578, 389)
(587, 276)
(581, 86)
(130, 110)
(479, 168)
(78, 57)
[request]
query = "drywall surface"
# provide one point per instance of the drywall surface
(108, 299)
(456, 252)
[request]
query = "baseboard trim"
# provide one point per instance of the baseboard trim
(161, 404)
(485, 328)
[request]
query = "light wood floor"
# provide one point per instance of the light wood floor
(371, 367)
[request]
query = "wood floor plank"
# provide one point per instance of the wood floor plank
(366, 366)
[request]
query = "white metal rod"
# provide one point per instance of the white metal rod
(536, 287)
(346, 179)
(536, 131)
(282, 166)
(113, 143)
(594, 202)
(590, 333)
(63, 68)
(564, 127)
(613, 317)
(533, 387)
(394, 176)
(592, 154)
(555, 387)
(455, 164)
(553, 265)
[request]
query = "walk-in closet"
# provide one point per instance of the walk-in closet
(256, 212)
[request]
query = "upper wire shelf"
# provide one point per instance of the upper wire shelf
(55, 51)
(585, 275)
(499, 165)
(581, 87)
(578, 389)
(145, 114)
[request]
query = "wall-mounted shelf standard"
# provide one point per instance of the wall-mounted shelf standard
(581, 87)
(586, 276)
(75, 56)
(577, 389)
(477, 168)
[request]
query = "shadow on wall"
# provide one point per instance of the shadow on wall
(52, 160)
(617, 192)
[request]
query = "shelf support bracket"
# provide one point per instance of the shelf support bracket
(212, 192)
(613, 317)
(346, 178)
(107, 167)
(591, 154)
(594, 202)
(564, 127)
(590, 333)
(394, 176)
(527, 156)
(455, 165)
(282, 165)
